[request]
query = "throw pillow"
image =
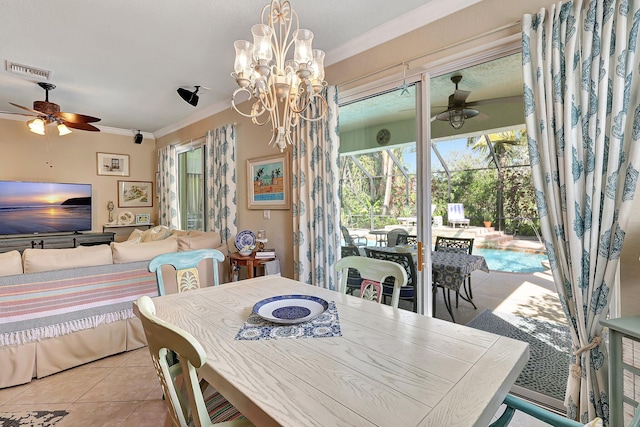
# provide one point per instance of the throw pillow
(126, 252)
(203, 240)
(159, 232)
(10, 263)
(135, 236)
(35, 260)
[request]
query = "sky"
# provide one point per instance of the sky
(14, 193)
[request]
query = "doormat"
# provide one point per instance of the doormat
(547, 370)
(31, 418)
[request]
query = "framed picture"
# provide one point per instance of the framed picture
(113, 164)
(268, 184)
(135, 194)
(143, 218)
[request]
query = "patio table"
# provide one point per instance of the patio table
(380, 235)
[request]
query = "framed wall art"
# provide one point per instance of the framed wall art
(135, 194)
(268, 185)
(143, 218)
(113, 164)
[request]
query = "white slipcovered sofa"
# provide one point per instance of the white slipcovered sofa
(61, 308)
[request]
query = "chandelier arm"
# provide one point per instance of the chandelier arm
(255, 111)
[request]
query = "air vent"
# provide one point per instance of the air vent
(28, 71)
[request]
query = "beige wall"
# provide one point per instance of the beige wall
(72, 158)
(251, 143)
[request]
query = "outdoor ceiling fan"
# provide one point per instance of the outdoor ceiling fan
(458, 110)
(46, 112)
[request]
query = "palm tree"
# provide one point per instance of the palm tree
(500, 150)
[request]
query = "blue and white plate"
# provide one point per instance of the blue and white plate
(245, 238)
(290, 309)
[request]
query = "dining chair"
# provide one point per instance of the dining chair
(392, 236)
(373, 273)
(354, 280)
(185, 264)
(513, 404)
(404, 259)
(457, 245)
(352, 239)
(185, 400)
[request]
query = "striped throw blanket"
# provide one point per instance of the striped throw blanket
(43, 305)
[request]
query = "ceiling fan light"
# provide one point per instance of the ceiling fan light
(188, 96)
(36, 126)
(63, 129)
(456, 118)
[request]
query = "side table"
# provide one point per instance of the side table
(251, 262)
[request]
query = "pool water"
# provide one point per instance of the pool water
(512, 261)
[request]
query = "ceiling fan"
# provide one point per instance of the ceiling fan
(458, 110)
(46, 112)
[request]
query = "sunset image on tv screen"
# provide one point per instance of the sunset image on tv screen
(44, 207)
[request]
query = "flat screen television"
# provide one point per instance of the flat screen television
(44, 207)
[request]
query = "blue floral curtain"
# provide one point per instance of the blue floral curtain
(316, 205)
(582, 115)
(221, 214)
(168, 187)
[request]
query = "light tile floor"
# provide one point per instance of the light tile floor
(123, 390)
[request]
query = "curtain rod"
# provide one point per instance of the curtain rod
(424, 55)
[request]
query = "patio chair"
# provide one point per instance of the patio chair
(354, 280)
(405, 259)
(455, 215)
(185, 400)
(374, 272)
(392, 236)
(457, 245)
(352, 239)
(406, 239)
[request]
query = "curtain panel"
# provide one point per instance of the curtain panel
(582, 116)
(221, 210)
(316, 203)
(168, 187)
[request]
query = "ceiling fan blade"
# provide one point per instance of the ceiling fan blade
(495, 100)
(17, 114)
(39, 113)
(482, 116)
(460, 96)
(76, 118)
(81, 126)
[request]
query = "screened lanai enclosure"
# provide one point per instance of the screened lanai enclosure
(483, 164)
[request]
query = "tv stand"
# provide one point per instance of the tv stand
(54, 241)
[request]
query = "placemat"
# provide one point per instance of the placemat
(325, 325)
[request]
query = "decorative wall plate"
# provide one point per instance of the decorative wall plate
(126, 217)
(245, 238)
(290, 309)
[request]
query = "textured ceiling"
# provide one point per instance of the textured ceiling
(123, 60)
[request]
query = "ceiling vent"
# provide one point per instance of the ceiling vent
(28, 71)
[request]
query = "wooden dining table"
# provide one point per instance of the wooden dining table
(387, 367)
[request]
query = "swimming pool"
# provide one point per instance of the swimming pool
(512, 261)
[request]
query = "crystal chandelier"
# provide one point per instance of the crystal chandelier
(282, 89)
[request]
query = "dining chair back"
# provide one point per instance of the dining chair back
(392, 236)
(185, 269)
(352, 239)
(373, 273)
(405, 260)
(407, 239)
(179, 382)
(453, 245)
(513, 404)
(354, 280)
